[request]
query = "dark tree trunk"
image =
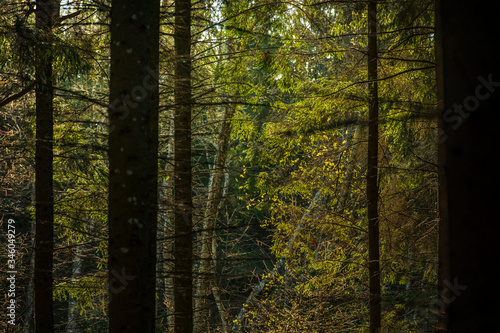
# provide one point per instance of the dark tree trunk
(183, 201)
(372, 173)
(47, 13)
(133, 141)
(470, 102)
(443, 246)
(154, 64)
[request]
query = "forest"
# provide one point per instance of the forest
(248, 166)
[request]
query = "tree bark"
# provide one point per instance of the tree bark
(47, 13)
(133, 137)
(30, 289)
(372, 192)
(165, 232)
(154, 63)
(183, 201)
(470, 100)
(76, 272)
(206, 273)
(443, 242)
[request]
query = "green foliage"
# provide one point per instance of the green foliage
(295, 73)
(67, 55)
(89, 291)
(308, 145)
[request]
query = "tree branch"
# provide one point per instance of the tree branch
(20, 94)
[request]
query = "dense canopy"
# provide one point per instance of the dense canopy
(247, 166)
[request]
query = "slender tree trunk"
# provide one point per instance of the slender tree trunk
(133, 135)
(372, 193)
(154, 63)
(206, 273)
(223, 314)
(30, 289)
(183, 201)
(76, 272)
(206, 281)
(47, 13)
(165, 246)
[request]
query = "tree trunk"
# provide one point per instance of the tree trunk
(47, 14)
(133, 137)
(154, 63)
(183, 201)
(443, 245)
(30, 289)
(206, 273)
(470, 102)
(166, 227)
(372, 193)
(76, 272)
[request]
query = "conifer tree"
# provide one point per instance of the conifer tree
(133, 137)
(47, 14)
(468, 82)
(183, 179)
(372, 194)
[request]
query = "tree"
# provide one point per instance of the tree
(206, 279)
(372, 173)
(47, 15)
(272, 183)
(133, 136)
(329, 111)
(470, 76)
(183, 200)
(207, 282)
